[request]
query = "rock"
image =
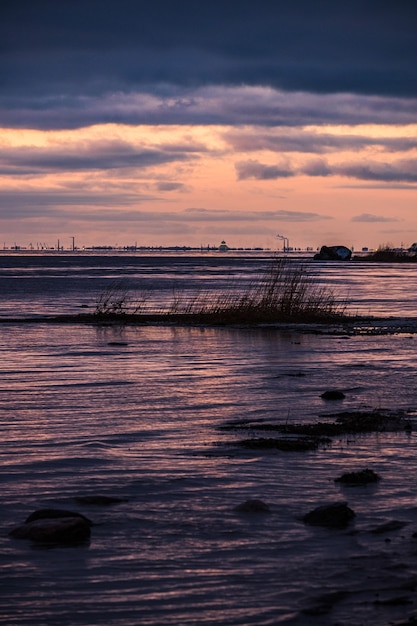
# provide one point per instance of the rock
(333, 394)
(333, 253)
(54, 526)
(336, 515)
(358, 478)
(325, 603)
(60, 530)
(388, 527)
(396, 601)
(252, 506)
(55, 514)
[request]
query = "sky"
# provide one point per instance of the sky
(129, 122)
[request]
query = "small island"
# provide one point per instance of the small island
(388, 254)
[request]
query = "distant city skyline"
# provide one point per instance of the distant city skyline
(223, 245)
(185, 124)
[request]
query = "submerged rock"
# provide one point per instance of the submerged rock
(358, 478)
(336, 515)
(324, 603)
(55, 514)
(61, 530)
(54, 526)
(388, 527)
(296, 374)
(333, 394)
(252, 506)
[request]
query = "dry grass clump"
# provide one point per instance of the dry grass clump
(312, 436)
(286, 292)
(116, 300)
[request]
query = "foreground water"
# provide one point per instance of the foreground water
(138, 413)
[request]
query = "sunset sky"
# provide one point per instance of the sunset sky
(186, 123)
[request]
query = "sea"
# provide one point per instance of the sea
(139, 428)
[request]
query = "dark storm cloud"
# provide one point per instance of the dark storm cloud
(248, 105)
(402, 170)
(258, 171)
(298, 140)
(219, 104)
(96, 156)
(59, 60)
(35, 203)
(317, 167)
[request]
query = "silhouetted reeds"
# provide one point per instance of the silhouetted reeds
(286, 292)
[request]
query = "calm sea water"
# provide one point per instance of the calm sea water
(138, 413)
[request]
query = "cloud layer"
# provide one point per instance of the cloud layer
(165, 119)
(78, 63)
(403, 170)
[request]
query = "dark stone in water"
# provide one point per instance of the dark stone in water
(396, 601)
(55, 514)
(252, 506)
(388, 527)
(358, 478)
(333, 394)
(336, 515)
(54, 526)
(333, 253)
(325, 603)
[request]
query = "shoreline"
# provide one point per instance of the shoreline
(352, 327)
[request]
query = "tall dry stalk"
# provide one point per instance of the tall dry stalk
(117, 300)
(286, 292)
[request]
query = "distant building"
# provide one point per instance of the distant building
(223, 247)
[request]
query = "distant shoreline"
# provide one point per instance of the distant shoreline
(162, 251)
(384, 257)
